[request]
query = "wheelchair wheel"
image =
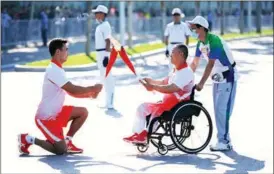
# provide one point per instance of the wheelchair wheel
(142, 148)
(160, 133)
(163, 150)
(188, 120)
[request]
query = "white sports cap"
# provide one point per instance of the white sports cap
(100, 8)
(199, 20)
(176, 11)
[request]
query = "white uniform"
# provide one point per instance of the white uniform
(103, 32)
(53, 96)
(176, 35)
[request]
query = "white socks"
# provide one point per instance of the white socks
(30, 139)
(67, 139)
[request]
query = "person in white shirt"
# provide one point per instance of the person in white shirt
(102, 46)
(5, 26)
(176, 32)
(52, 115)
(176, 87)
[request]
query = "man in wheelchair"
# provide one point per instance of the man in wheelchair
(176, 88)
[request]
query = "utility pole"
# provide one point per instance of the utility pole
(129, 24)
(32, 9)
(122, 22)
(242, 17)
(163, 9)
(258, 16)
(222, 17)
(197, 7)
(249, 7)
(88, 33)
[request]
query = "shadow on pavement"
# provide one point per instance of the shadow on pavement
(267, 48)
(72, 163)
(266, 43)
(29, 54)
(267, 51)
(206, 163)
(242, 164)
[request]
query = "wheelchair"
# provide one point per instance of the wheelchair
(175, 129)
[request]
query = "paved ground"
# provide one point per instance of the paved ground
(101, 136)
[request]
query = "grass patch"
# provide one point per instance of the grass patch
(81, 58)
(144, 48)
(76, 59)
(247, 34)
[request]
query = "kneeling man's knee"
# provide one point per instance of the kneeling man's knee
(60, 147)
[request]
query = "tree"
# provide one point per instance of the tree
(272, 7)
(88, 33)
(208, 6)
(122, 21)
(222, 16)
(242, 17)
(249, 8)
(32, 9)
(163, 10)
(230, 7)
(129, 14)
(197, 7)
(258, 16)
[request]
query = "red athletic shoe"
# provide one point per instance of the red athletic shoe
(131, 138)
(23, 145)
(72, 148)
(141, 138)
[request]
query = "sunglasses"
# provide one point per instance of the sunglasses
(66, 49)
(176, 14)
(197, 26)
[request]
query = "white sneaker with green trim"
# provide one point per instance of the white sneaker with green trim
(221, 147)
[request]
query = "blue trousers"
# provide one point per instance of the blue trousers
(223, 98)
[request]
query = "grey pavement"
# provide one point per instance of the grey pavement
(101, 136)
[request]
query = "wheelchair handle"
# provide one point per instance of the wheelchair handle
(192, 93)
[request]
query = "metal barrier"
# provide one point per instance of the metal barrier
(24, 31)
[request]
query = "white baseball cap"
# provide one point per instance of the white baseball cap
(100, 8)
(199, 20)
(176, 11)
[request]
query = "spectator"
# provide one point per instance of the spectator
(51, 12)
(44, 26)
(210, 20)
(176, 32)
(5, 24)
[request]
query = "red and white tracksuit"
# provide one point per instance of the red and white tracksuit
(52, 115)
(184, 79)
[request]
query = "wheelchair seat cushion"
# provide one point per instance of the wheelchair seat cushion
(185, 112)
(166, 104)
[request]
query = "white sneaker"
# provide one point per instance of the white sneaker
(221, 147)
